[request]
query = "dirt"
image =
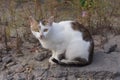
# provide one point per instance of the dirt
(34, 65)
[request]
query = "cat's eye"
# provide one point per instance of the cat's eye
(45, 30)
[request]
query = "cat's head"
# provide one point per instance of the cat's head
(44, 26)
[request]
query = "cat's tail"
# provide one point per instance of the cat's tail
(65, 62)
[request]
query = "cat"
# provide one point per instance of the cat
(70, 42)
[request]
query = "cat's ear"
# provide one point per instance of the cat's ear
(51, 20)
(32, 21)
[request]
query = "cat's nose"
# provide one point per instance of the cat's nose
(41, 36)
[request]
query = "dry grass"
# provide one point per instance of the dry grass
(103, 14)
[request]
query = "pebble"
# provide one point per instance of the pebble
(7, 59)
(17, 68)
(41, 56)
(11, 64)
(0, 59)
(3, 66)
(72, 77)
(31, 77)
(20, 76)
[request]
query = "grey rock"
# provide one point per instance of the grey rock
(17, 68)
(7, 59)
(3, 66)
(113, 44)
(0, 59)
(38, 72)
(27, 45)
(104, 66)
(41, 56)
(117, 78)
(52, 78)
(108, 48)
(11, 64)
(58, 72)
(38, 78)
(103, 75)
(4, 52)
(2, 46)
(71, 77)
(3, 76)
(31, 77)
(10, 77)
(20, 76)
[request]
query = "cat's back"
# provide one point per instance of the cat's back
(74, 26)
(77, 27)
(65, 23)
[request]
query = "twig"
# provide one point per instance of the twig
(5, 39)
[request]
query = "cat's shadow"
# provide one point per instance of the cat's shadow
(100, 58)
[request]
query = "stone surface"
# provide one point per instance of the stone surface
(17, 68)
(72, 77)
(7, 59)
(20, 76)
(0, 59)
(114, 40)
(35, 66)
(104, 66)
(41, 56)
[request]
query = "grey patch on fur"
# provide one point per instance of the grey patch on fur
(91, 50)
(80, 60)
(61, 56)
(86, 36)
(79, 27)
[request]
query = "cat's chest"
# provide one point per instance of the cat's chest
(53, 43)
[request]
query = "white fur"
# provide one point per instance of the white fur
(61, 38)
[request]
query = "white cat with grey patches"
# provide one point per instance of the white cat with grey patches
(70, 43)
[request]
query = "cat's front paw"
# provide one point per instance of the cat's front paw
(51, 60)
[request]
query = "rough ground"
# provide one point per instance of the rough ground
(32, 63)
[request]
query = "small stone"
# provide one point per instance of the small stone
(31, 77)
(4, 52)
(60, 74)
(52, 78)
(19, 53)
(7, 59)
(41, 56)
(17, 68)
(3, 76)
(20, 76)
(0, 59)
(72, 77)
(39, 78)
(108, 48)
(24, 63)
(10, 64)
(10, 78)
(3, 66)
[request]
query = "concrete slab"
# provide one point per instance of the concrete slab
(104, 66)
